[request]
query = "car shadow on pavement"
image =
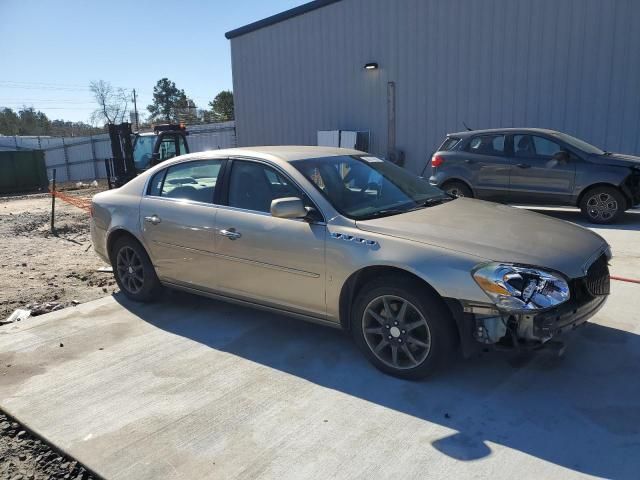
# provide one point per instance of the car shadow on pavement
(630, 220)
(581, 412)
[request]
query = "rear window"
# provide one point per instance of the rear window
(449, 143)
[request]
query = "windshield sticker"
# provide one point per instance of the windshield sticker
(372, 159)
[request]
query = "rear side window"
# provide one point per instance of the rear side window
(155, 185)
(194, 181)
(486, 145)
(448, 144)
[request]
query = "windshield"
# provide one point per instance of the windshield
(142, 151)
(367, 187)
(579, 144)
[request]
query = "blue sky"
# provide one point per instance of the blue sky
(51, 50)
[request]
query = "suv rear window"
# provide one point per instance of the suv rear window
(448, 144)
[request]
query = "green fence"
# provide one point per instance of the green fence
(22, 171)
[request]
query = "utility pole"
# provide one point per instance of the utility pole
(135, 109)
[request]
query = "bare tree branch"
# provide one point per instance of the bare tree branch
(113, 103)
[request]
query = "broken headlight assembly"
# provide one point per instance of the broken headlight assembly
(515, 288)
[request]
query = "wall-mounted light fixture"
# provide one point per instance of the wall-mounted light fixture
(371, 66)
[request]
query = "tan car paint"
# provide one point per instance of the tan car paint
(301, 268)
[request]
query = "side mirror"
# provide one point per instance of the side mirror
(561, 156)
(290, 207)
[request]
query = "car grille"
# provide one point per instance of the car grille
(597, 280)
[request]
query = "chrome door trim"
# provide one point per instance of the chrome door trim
(188, 249)
(183, 201)
(269, 266)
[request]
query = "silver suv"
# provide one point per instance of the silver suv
(348, 240)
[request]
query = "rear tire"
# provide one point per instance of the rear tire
(603, 205)
(396, 313)
(134, 271)
(457, 189)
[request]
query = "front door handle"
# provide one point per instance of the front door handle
(523, 165)
(154, 219)
(230, 233)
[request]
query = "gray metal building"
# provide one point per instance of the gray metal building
(570, 65)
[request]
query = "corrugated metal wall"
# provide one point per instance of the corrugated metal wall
(82, 158)
(570, 65)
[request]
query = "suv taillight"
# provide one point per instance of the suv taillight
(436, 161)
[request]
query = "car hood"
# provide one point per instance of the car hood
(496, 232)
(618, 159)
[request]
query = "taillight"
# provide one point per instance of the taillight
(436, 161)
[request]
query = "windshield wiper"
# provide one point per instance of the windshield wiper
(385, 213)
(430, 202)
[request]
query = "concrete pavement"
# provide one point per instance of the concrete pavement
(194, 388)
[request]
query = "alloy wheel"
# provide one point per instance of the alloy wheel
(396, 332)
(602, 206)
(130, 270)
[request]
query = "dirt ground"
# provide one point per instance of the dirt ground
(41, 271)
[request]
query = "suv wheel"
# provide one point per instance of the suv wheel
(457, 189)
(603, 204)
(402, 328)
(134, 271)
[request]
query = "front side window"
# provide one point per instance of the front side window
(194, 181)
(579, 144)
(486, 145)
(142, 151)
(545, 148)
(253, 186)
(533, 146)
(167, 148)
(367, 187)
(523, 146)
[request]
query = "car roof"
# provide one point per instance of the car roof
(286, 153)
(488, 131)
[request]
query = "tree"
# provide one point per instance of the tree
(222, 106)
(9, 122)
(113, 103)
(169, 102)
(33, 122)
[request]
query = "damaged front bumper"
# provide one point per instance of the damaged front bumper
(484, 326)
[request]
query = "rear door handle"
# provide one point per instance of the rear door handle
(523, 165)
(230, 233)
(154, 219)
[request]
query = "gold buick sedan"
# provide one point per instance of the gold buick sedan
(349, 240)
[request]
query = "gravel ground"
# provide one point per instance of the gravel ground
(41, 271)
(24, 456)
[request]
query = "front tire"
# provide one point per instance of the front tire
(402, 328)
(134, 271)
(603, 205)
